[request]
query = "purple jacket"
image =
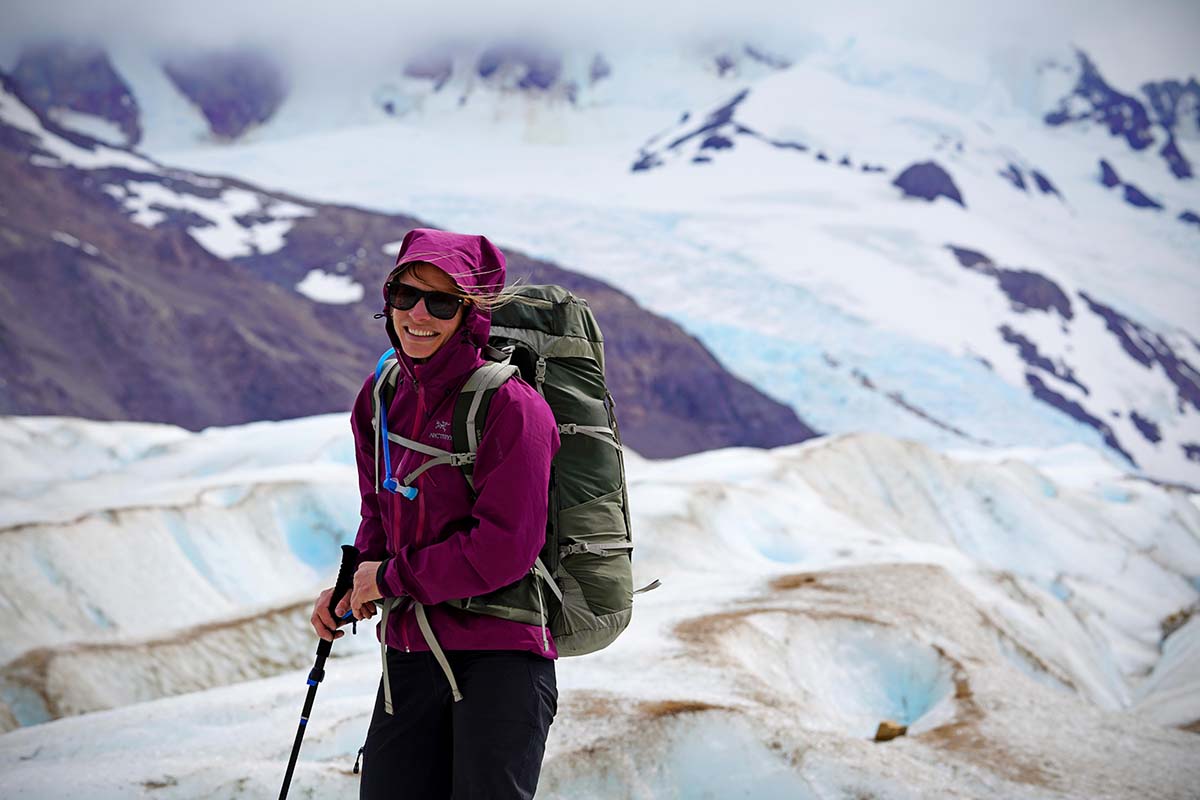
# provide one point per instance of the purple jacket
(447, 544)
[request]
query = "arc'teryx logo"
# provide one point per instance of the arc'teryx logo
(440, 428)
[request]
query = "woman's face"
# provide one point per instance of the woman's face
(421, 333)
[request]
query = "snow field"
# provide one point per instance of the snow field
(808, 593)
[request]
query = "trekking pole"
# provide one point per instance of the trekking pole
(345, 580)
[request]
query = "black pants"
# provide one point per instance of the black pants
(487, 745)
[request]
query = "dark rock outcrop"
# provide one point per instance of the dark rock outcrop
(1026, 290)
(1190, 217)
(1147, 348)
(1013, 175)
(1127, 116)
(1044, 185)
(717, 131)
(1047, 395)
(520, 65)
(236, 90)
(1108, 175)
(80, 78)
(1168, 99)
(1147, 427)
(1028, 351)
(1138, 199)
(928, 181)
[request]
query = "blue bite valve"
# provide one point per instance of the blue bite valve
(410, 492)
(391, 484)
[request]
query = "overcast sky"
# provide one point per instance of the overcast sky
(1135, 40)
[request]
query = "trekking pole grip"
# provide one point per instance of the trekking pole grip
(345, 578)
(343, 584)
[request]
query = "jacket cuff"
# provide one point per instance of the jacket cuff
(381, 579)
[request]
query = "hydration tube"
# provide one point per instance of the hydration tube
(390, 483)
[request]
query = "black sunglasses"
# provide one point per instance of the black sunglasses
(442, 305)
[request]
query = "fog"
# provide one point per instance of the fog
(1147, 40)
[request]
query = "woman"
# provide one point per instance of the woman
(448, 543)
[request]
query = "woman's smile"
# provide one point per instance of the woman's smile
(422, 334)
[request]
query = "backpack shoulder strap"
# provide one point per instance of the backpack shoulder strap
(470, 410)
(386, 372)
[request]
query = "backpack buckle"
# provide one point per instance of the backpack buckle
(569, 428)
(461, 459)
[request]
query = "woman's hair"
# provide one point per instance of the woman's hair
(485, 301)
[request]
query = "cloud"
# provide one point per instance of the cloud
(1150, 39)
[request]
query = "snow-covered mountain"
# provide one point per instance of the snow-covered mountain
(999, 255)
(1029, 615)
(971, 265)
(222, 302)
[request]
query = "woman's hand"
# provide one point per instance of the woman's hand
(365, 591)
(322, 621)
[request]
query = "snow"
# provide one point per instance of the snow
(71, 241)
(323, 287)
(61, 152)
(224, 235)
(97, 127)
(808, 592)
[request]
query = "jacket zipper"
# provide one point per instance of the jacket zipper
(416, 432)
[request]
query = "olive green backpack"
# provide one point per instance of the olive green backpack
(581, 586)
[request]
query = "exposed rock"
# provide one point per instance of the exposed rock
(1167, 100)
(1147, 427)
(1137, 198)
(716, 142)
(236, 89)
(717, 131)
(1128, 117)
(1108, 175)
(1025, 288)
(763, 57)
(1013, 175)
(520, 65)
(1047, 395)
(889, 730)
(1147, 347)
(1190, 217)
(1044, 185)
(1125, 116)
(928, 181)
(79, 78)
(1028, 352)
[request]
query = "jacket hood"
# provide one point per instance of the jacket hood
(471, 260)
